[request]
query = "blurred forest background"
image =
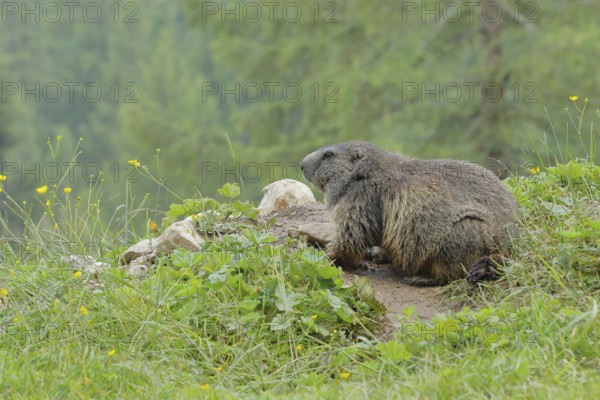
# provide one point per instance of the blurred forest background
(242, 90)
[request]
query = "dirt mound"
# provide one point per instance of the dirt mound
(389, 289)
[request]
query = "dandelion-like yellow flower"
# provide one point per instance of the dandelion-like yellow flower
(67, 190)
(153, 227)
(534, 170)
(345, 375)
(573, 98)
(42, 189)
(3, 292)
(59, 138)
(112, 352)
(77, 274)
(83, 310)
(135, 163)
(2, 178)
(299, 347)
(205, 386)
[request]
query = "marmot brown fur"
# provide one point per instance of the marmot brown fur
(434, 218)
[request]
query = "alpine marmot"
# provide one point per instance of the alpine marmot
(435, 219)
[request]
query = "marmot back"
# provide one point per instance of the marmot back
(434, 218)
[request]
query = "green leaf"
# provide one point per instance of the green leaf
(220, 275)
(183, 258)
(555, 209)
(393, 351)
(574, 233)
(409, 311)
(245, 208)
(187, 291)
(342, 309)
(286, 300)
(248, 305)
(230, 190)
(365, 290)
(188, 207)
(281, 322)
(328, 271)
(572, 171)
(595, 225)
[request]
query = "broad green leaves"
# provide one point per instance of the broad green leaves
(248, 278)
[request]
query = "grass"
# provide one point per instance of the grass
(253, 319)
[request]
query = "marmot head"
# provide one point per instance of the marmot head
(335, 164)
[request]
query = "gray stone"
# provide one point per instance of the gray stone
(319, 233)
(181, 234)
(138, 268)
(85, 264)
(143, 248)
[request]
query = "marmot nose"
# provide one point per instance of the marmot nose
(302, 166)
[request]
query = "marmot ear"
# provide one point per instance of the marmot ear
(356, 152)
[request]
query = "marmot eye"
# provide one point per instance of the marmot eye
(328, 154)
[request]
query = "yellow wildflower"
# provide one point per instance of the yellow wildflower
(2, 178)
(67, 190)
(534, 170)
(55, 227)
(153, 226)
(77, 274)
(313, 317)
(48, 203)
(83, 310)
(135, 163)
(42, 189)
(59, 138)
(205, 386)
(344, 375)
(573, 98)
(219, 369)
(3, 292)
(112, 352)
(299, 347)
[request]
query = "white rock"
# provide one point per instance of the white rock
(144, 248)
(284, 194)
(79, 262)
(86, 264)
(182, 234)
(137, 269)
